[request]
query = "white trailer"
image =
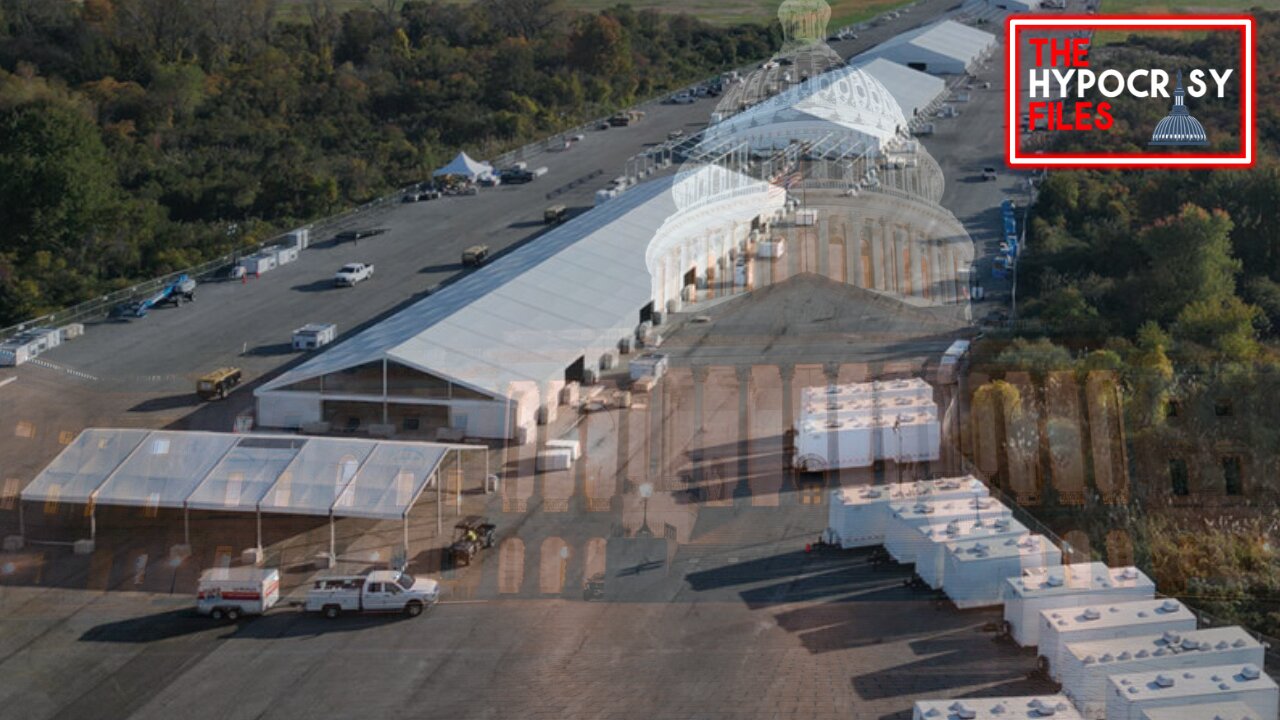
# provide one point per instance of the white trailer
(1130, 695)
(258, 264)
(840, 442)
(314, 336)
(1080, 623)
(856, 517)
(931, 556)
(1048, 588)
(902, 538)
(1086, 666)
(996, 708)
(976, 572)
(909, 437)
(234, 592)
(886, 389)
(1232, 710)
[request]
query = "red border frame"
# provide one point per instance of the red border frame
(1245, 158)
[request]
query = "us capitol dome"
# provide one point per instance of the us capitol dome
(1178, 127)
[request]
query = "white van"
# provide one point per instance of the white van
(379, 591)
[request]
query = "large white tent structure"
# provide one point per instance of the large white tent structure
(482, 355)
(916, 92)
(282, 474)
(464, 166)
(943, 48)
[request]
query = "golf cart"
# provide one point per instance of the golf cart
(471, 535)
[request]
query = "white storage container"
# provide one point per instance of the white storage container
(909, 437)
(1130, 695)
(1218, 711)
(233, 592)
(977, 572)
(931, 556)
(48, 338)
(258, 264)
(573, 446)
(652, 364)
(907, 387)
(1086, 666)
(902, 537)
(771, 249)
(1080, 623)
(1047, 588)
(314, 336)
(856, 517)
(555, 459)
(72, 331)
(996, 708)
(846, 442)
(299, 238)
(284, 254)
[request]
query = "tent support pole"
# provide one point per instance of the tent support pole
(439, 508)
(333, 543)
(186, 526)
(457, 483)
(93, 521)
(258, 516)
(406, 540)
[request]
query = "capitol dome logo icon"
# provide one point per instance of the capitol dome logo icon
(1178, 128)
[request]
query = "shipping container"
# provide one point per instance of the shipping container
(977, 572)
(258, 264)
(1047, 588)
(1130, 695)
(1086, 666)
(1080, 623)
(931, 556)
(856, 517)
(314, 336)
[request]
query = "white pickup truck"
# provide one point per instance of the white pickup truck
(352, 273)
(379, 591)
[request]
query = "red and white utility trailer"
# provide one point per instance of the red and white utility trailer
(234, 592)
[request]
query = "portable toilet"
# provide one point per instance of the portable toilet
(976, 572)
(1086, 666)
(1131, 695)
(1047, 588)
(996, 708)
(856, 516)
(902, 537)
(931, 556)
(1080, 623)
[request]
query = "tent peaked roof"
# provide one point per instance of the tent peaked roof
(464, 165)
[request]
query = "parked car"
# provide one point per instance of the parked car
(989, 173)
(555, 215)
(379, 591)
(682, 99)
(475, 255)
(352, 273)
(675, 134)
(517, 176)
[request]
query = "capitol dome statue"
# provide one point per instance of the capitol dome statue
(1178, 127)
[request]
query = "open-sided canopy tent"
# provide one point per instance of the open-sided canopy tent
(464, 166)
(334, 477)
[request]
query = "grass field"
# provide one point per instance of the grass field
(843, 12)
(1180, 6)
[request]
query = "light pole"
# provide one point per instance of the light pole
(646, 491)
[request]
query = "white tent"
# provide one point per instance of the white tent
(464, 166)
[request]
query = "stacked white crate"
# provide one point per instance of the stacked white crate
(977, 572)
(931, 559)
(1086, 666)
(1219, 711)
(902, 536)
(996, 708)
(1081, 623)
(1064, 586)
(856, 516)
(1130, 696)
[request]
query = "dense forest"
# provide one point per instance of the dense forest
(1172, 281)
(138, 137)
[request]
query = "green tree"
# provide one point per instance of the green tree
(1190, 261)
(1227, 325)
